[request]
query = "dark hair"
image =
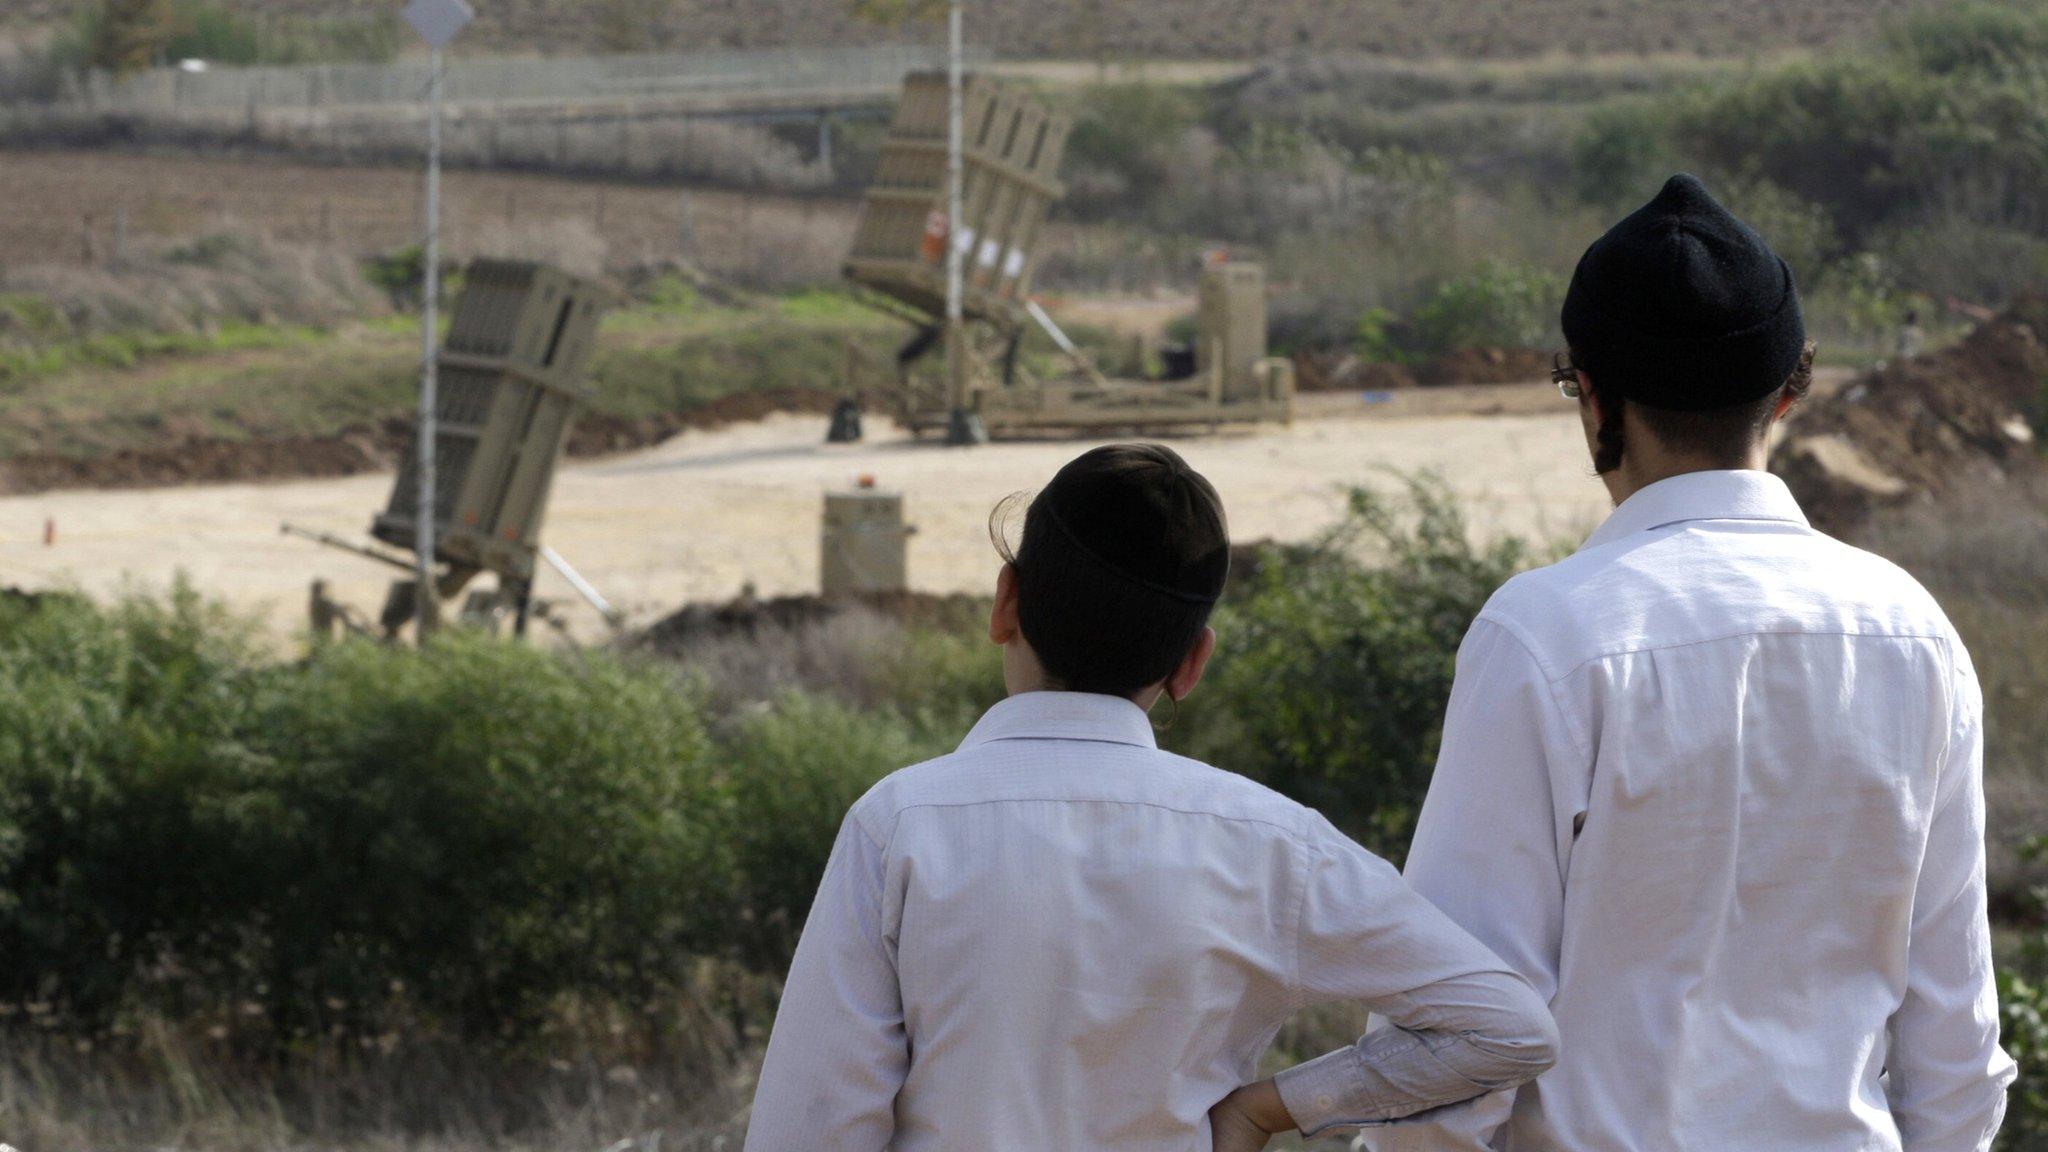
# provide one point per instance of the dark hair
(1122, 559)
(1723, 435)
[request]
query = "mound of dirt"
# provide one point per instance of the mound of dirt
(1327, 372)
(1486, 366)
(1928, 428)
(597, 434)
(748, 618)
(201, 461)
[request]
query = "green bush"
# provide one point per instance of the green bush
(485, 823)
(1952, 113)
(1124, 139)
(793, 771)
(1620, 151)
(2023, 1005)
(468, 830)
(1336, 661)
(1498, 305)
(125, 798)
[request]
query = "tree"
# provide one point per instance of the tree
(126, 35)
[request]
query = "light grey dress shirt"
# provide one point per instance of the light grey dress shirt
(1715, 785)
(1062, 938)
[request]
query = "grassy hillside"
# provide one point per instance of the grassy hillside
(1169, 28)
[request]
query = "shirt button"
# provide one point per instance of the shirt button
(1324, 1102)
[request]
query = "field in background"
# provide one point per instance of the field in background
(226, 307)
(1166, 28)
(65, 207)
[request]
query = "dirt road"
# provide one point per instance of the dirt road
(701, 516)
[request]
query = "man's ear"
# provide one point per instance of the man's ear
(1184, 678)
(1002, 619)
(1787, 400)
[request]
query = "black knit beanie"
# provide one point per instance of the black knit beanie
(1683, 306)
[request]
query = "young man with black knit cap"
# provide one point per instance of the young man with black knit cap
(1061, 939)
(1714, 783)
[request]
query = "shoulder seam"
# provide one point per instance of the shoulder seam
(1745, 633)
(1233, 818)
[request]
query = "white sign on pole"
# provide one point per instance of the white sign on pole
(438, 21)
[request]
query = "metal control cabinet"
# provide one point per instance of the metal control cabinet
(511, 384)
(1232, 320)
(1013, 148)
(864, 548)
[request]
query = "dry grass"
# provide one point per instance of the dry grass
(720, 154)
(171, 1091)
(52, 202)
(190, 287)
(1984, 560)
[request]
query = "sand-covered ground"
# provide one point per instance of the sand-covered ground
(703, 515)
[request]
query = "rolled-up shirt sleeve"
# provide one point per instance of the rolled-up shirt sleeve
(1463, 1023)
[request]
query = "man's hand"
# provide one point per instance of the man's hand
(1246, 1119)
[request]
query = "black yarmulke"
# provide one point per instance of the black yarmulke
(1683, 306)
(1140, 512)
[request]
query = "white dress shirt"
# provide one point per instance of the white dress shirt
(1061, 938)
(1714, 784)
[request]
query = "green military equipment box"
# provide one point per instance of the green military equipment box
(1012, 148)
(511, 384)
(1011, 159)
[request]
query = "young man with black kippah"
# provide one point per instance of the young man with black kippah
(1714, 783)
(1061, 939)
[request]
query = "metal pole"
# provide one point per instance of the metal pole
(964, 426)
(429, 369)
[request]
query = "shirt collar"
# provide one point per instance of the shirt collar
(1721, 495)
(1064, 716)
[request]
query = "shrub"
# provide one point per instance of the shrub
(1619, 151)
(1336, 661)
(1499, 305)
(1941, 118)
(2023, 1005)
(124, 798)
(1121, 149)
(1950, 255)
(484, 825)
(792, 773)
(2023, 1015)
(466, 831)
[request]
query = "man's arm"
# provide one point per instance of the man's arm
(1947, 1075)
(1486, 863)
(838, 1053)
(1462, 1023)
(1492, 843)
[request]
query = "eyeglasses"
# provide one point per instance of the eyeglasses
(1565, 375)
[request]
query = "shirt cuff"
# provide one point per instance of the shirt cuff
(1327, 1092)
